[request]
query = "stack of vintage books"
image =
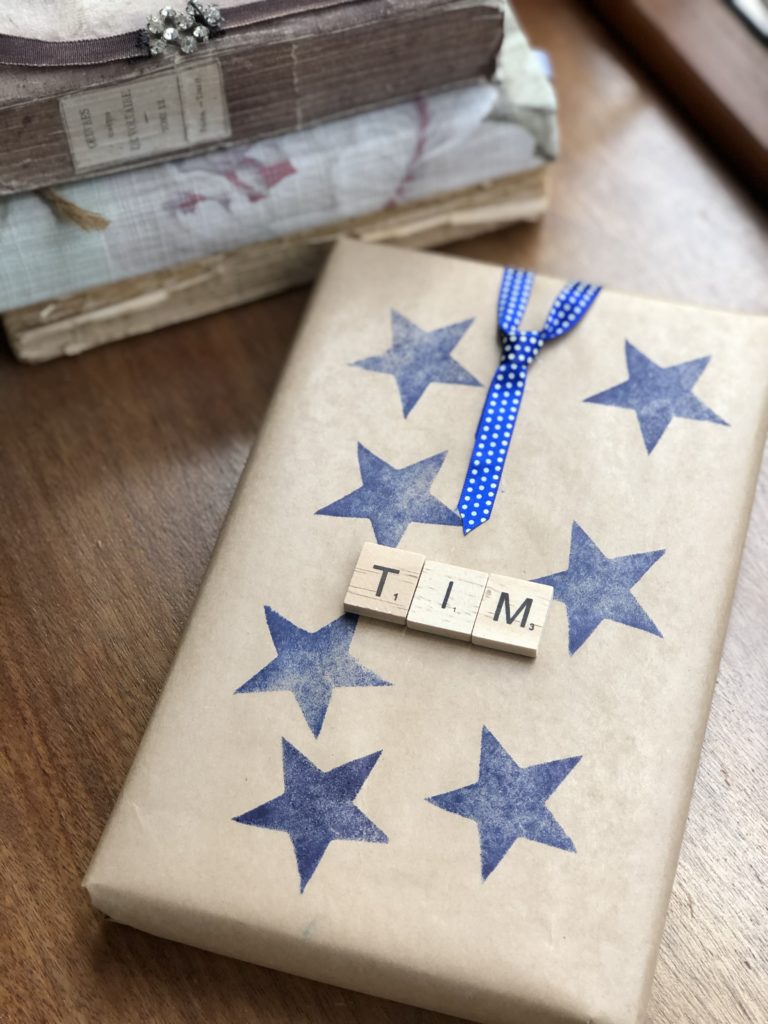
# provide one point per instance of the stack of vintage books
(159, 168)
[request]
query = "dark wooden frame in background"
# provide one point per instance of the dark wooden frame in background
(711, 65)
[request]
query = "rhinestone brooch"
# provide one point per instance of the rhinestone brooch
(187, 30)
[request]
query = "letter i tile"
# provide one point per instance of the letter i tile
(446, 600)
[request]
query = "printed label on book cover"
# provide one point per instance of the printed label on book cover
(174, 110)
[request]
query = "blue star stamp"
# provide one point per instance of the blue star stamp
(418, 358)
(311, 665)
(317, 807)
(508, 802)
(658, 394)
(393, 498)
(594, 588)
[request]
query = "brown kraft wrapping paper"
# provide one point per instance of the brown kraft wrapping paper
(566, 926)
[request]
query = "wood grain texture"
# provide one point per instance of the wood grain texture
(712, 65)
(116, 470)
(383, 583)
(512, 615)
(446, 600)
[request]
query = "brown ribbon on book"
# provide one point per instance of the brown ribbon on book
(42, 53)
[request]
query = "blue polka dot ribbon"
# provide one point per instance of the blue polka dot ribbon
(519, 349)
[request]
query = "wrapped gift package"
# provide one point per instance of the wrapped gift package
(413, 815)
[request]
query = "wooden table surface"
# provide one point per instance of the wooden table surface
(116, 469)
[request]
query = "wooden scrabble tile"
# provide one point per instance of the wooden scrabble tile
(383, 582)
(446, 600)
(512, 615)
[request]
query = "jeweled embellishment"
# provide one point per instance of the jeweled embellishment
(209, 14)
(187, 30)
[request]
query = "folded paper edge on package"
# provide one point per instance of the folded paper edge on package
(410, 985)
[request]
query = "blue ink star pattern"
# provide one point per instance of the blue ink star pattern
(311, 665)
(394, 498)
(419, 358)
(317, 807)
(657, 394)
(594, 588)
(509, 802)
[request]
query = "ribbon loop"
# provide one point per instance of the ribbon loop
(568, 309)
(502, 404)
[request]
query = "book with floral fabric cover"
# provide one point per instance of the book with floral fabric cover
(409, 815)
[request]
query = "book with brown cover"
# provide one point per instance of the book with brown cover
(268, 72)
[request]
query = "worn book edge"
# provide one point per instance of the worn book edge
(112, 312)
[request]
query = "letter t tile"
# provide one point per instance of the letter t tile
(383, 583)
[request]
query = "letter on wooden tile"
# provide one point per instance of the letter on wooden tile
(446, 600)
(383, 582)
(512, 615)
